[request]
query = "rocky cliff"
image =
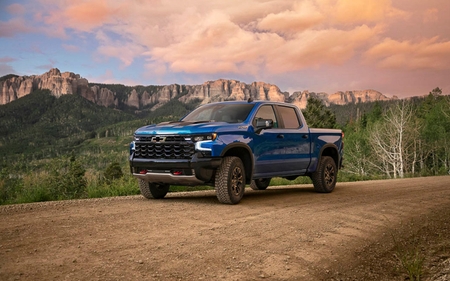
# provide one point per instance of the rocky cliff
(220, 90)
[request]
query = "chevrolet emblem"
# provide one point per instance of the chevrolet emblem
(158, 139)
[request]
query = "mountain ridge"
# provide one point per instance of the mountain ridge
(139, 97)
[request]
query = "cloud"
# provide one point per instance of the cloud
(83, 15)
(215, 45)
(125, 51)
(16, 9)
(7, 59)
(71, 48)
(218, 45)
(430, 15)
(351, 11)
(206, 37)
(14, 26)
(301, 17)
(316, 48)
(407, 55)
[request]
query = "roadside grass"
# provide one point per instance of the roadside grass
(98, 187)
(421, 246)
(63, 180)
(409, 253)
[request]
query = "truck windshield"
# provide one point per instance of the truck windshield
(220, 112)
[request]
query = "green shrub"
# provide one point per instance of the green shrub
(126, 185)
(113, 171)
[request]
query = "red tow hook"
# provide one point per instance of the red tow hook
(143, 172)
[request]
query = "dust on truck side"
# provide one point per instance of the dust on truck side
(231, 144)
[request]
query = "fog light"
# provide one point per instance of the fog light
(143, 172)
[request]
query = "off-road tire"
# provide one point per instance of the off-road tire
(260, 184)
(325, 176)
(153, 190)
(230, 180)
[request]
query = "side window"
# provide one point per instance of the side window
(289, 116)
(266, 112)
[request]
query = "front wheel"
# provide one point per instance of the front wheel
(325, 177)
(260, 184)
(230, 180)
(152, 190)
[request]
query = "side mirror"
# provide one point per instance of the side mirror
(262, 124)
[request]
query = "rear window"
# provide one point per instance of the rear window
(289, 116)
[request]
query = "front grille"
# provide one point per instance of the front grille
(167, 147)
(167, 138)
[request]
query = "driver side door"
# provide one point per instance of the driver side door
(268, 147)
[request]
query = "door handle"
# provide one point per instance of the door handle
(304, 136)
(280, 136)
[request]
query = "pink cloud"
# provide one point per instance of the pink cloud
(82, 15)
(430, 15)
(228, 47)
(351, 11)
(13, 27)
(301, 17)
(426, 54)
(248, 37)
(7, 59)
(316, 48)
(16, 9)
(235, 36)
(70, 48)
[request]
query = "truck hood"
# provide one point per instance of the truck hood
(182, 127)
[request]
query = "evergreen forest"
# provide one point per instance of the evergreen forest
(64, 148)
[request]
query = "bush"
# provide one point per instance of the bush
(125, 185)
(113, 171)
(66, 180)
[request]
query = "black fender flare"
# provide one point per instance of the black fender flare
(335, 157)
(232, 149)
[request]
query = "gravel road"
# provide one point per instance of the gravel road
(282, 233)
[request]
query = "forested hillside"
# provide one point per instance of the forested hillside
(401, 139)
(48, 142)
(44, 126)
(40, 125)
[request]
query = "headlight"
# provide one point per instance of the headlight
(132, 147)
(210, 137)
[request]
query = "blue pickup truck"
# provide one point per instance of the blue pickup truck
(231, 144)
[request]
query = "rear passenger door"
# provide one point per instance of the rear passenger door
(295, 140)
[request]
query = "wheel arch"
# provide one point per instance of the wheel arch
(242, 151)
(332, 151)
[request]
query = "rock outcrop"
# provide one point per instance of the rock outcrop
(300, 99)
(356, 97)
(222, 90)
(219, 90)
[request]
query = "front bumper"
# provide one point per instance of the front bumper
(195, 171)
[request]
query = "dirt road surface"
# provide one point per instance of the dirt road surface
(282, 233)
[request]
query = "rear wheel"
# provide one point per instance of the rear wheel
(230, 180)
(325, 177)
(152, 190)
(260, 184)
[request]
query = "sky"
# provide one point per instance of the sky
(397, 47)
